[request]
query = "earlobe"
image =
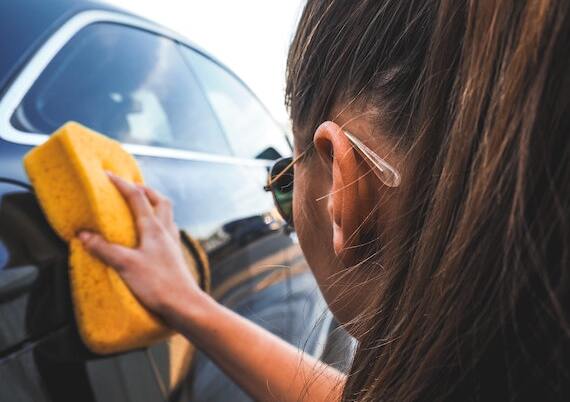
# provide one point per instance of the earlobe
(347, 194)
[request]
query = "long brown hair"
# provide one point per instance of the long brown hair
(474, 300)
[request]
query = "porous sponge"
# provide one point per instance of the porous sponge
(68, 175)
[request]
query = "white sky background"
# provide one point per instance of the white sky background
(251, 37)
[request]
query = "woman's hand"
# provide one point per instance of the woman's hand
(155, 271)
(157, 274)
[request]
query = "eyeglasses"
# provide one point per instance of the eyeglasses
(280, 178)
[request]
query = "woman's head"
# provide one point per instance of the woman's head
(351, 66)
(457, 281)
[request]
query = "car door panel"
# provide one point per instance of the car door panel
(20, 380)
(42, 305)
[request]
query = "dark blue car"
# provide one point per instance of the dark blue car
(201, 138)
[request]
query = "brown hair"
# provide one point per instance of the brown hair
(474, 300)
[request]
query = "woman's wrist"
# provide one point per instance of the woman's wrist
(184, 312)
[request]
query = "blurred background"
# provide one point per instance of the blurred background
(251, 37)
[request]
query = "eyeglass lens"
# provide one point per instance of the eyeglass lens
(282, 189)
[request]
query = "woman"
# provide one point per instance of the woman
(455, 281)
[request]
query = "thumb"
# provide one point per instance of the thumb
(111, 254)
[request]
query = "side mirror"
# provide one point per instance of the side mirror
(269, 153)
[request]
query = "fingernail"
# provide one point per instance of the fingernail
(110, 174)
(84, 236)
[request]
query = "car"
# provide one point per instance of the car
(200, 136)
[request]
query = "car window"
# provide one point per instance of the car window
(127, 83)
(249, 127)
(218, 193)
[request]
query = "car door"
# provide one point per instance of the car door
(120, 76)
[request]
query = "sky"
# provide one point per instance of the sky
(251, 37)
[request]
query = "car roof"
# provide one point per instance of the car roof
(24, 24)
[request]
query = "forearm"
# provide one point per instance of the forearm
(265, 366)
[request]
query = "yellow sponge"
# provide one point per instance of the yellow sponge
(68, 175)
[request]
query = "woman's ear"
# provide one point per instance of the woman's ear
(349, 200)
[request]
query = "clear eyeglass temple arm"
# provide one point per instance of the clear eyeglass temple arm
(386, 173)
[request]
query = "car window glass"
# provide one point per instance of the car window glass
(217, 193)
(249, 127)
(127, 83)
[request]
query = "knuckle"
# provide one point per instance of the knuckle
(163, 202)
(92, 242)
(166, 202)
(149, 223)
(160, 228)
(157, 193)
(126, 260)
(133, 193)
(144, 221)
